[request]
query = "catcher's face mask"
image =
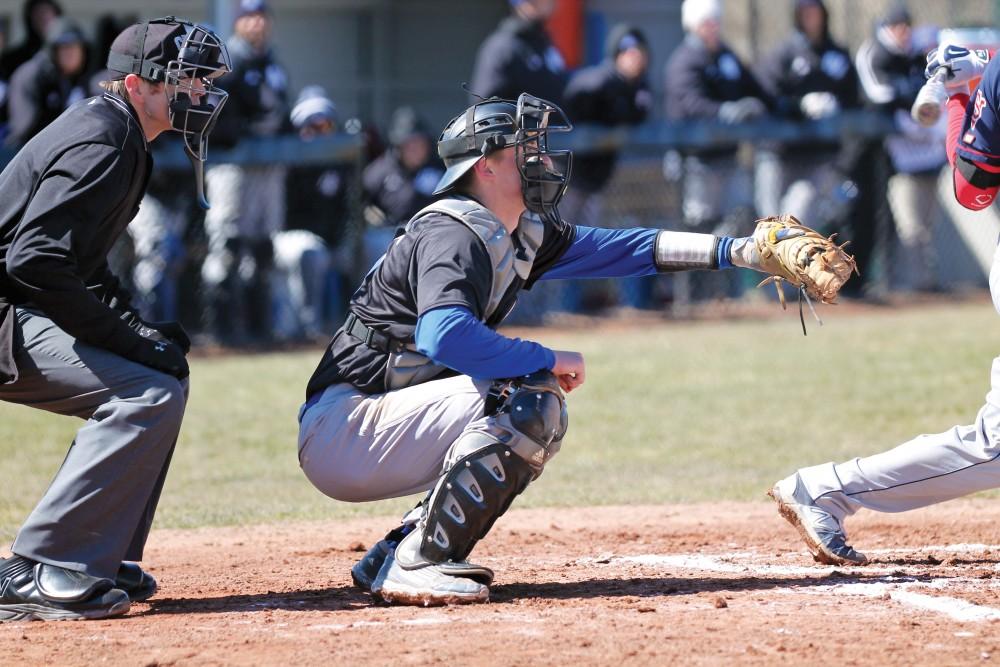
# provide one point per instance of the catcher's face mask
(495, 124)
(544, 173)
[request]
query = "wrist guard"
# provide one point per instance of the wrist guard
(682, 251)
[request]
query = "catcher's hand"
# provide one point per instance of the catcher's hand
(798, 255)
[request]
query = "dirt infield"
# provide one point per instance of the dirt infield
(694, 584)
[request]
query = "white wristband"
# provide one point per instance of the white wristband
(680, 251)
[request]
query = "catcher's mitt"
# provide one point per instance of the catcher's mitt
(800, 256)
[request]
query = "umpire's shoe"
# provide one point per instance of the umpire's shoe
(36, 591)
(138, 584)
(821, 531)
(406, 578)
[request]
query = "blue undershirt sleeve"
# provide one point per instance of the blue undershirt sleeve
(617, 253)
(606, 253)
(453, 337)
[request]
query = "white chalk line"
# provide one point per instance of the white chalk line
(948, 548)
(896, 586)
(424, 621)
(725, 564)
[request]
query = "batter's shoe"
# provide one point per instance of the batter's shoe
(36, 591)
(820, 530)
(136, 582)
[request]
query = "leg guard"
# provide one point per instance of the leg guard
(487, 467)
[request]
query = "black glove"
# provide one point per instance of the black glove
(172, 331)
(163, 355)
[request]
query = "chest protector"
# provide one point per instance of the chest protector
(509, 260)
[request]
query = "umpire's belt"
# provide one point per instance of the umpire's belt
(376, 340)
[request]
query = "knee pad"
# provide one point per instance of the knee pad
(533, 418)
(491, 464)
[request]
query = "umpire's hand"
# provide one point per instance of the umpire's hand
(172, 331)
(163, 355)
(569, 369)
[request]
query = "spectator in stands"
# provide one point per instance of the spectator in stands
(810, 77)
(158, 254)
(248, 201)
(891, 68)
(37, 15)
(399, 182)
(4, 88)
(45, 86)
(613, 92)
(310, 254)
(519, 57)
(705, 79)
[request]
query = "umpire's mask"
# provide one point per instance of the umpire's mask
(494, 124)
(187, 57)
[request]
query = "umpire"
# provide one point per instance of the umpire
(70, 342)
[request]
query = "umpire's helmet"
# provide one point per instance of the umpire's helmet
(494, 124)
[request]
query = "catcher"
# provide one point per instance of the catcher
(418, 392)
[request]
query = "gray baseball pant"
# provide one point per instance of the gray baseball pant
(358, 447)
(99, 507)
(926, 470)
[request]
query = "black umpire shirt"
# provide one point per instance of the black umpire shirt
(442, 263)
(66, 197)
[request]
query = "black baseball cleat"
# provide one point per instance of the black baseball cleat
(37, 591)
(138, 584)
(365, 570)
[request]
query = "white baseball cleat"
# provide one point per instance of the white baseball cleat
(430, 585)
(820, 530)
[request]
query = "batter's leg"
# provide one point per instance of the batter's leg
(926, 470)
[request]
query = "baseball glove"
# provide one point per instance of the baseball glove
(802, 257)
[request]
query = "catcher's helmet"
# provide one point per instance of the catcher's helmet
(494, 124)
(178, 53)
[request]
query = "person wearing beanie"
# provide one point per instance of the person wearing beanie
(250, 206)
(611, 93)
(314, 114)
(71, 342)
(310, 256)
(36, 16)
(705, 79)
(519, 56)
(49, 83)
(891, 69)
(399, 182)
(811, 77)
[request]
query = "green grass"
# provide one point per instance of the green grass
(670, 413)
